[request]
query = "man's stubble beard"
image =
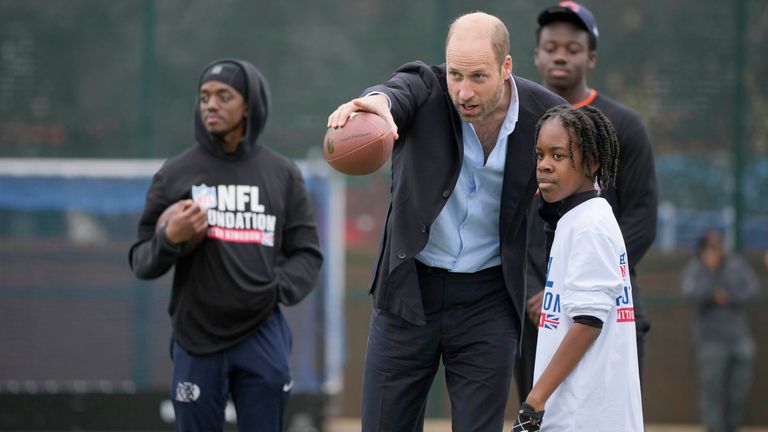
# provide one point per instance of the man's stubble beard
(486, 109)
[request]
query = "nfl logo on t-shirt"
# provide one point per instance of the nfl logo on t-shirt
(204, 196)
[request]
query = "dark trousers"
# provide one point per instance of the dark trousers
(471, 326)
(526, 360)
(255, 373)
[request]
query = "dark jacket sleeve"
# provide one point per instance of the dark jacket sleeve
(153, 255)
(407, 89)
(301, 258)
(637, 192)
(542, 223)
(536, 270)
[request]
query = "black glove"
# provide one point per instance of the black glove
(528, 419)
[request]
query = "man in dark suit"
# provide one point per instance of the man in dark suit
(449, 281)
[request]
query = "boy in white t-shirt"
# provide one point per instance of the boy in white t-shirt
(586, 374)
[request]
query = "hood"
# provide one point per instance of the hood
(258, 101)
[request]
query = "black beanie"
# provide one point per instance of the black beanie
(228, 73)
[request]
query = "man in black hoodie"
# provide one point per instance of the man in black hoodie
(260, 249)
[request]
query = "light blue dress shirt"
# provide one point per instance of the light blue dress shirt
(465, 236)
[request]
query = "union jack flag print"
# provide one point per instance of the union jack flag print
(549, 321)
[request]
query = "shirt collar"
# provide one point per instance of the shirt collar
(514, 109)
(552, 212)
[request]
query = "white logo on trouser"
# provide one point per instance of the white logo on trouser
(288, 387)
(187, 392)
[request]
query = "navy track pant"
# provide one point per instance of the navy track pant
(254, 373)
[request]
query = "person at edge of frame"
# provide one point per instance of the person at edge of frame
(230, 338)
(720, 286)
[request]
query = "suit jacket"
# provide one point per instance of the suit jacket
(426, 162)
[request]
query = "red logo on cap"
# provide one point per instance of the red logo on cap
(571, 5)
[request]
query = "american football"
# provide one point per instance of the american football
(361, 147)
(165, 216)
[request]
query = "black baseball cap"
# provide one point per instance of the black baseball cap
(573, 12)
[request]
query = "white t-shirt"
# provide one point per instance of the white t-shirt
(588, 274)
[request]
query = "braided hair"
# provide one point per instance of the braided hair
(596, 138)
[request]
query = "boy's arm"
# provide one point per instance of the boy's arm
(571, 350)
(301, 257)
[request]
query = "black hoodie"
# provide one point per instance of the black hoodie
(262, 245)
